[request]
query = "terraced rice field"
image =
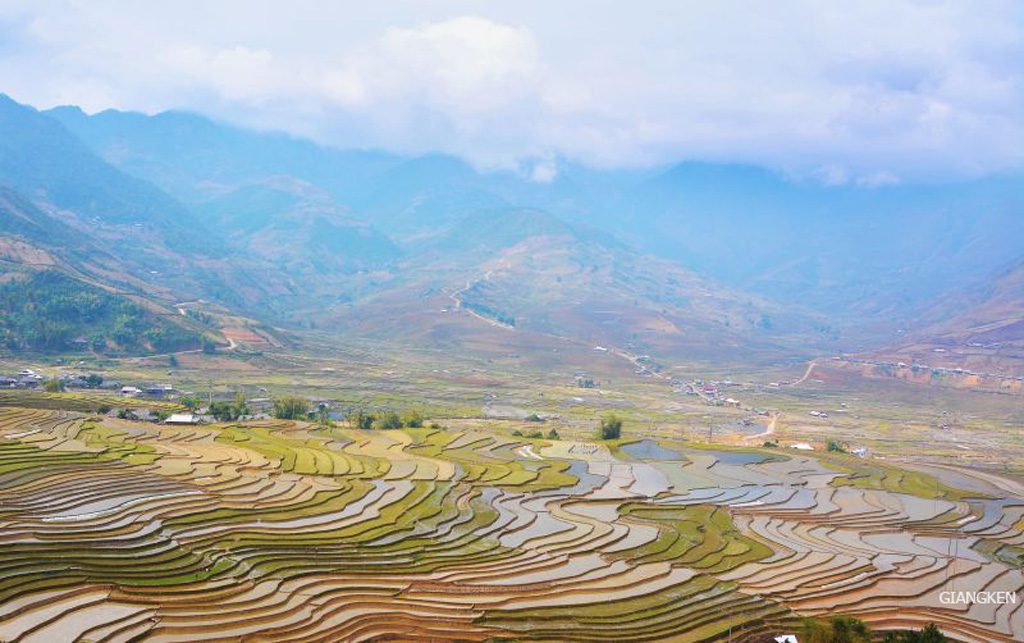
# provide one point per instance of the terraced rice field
(115, 531)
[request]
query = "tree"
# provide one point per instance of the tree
(517, 433)
(413, 420)
(291, 407)
(53, 385)
(240, 406)
(104, 409)
(553, 434)
(323, 417)
(191, 403)
(209, 347)
(930, 634)
(536, 435)
(361, 420)
(389, 420)
(835, 446)
(92, 380)
(172, 361)
(838, 629)
(610, 427)
(224, 411)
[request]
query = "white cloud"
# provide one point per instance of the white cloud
(867, 89)
(237, 73)
(879, 179)
(543, 170)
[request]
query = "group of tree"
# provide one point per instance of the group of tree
(537, 435)
(291, 407)
(200, 317)
(57, 385)
(229, 411)
(386, 420)
(487, 311)
(930, 634)
(845, 629)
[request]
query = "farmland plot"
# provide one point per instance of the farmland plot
(285, 531)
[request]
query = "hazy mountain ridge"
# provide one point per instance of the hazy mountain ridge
(887, 249)
(846, 250)
(43, 160)
(315, 232)
(525, 272)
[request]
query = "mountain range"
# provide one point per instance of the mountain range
(175, 207)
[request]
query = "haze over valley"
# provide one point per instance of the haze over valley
(296, 234)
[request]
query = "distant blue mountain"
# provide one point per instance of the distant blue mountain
(833, 247)
(847, 250)
(40, 158)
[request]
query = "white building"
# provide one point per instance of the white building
(182, 418)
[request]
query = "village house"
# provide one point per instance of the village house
(182, 419)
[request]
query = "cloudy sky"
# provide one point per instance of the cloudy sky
(871, 92)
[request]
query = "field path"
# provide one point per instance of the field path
(773, 425)
(807, 373)
(456, 298)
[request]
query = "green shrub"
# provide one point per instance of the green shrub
(835, 446)
(389, 420)
(610, 428)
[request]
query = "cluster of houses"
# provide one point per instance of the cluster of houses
(710, 392)
(159, 392)
(30, 379)
(938, 370)
(27, 378)
(646, 366)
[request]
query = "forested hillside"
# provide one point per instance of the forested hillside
(48, 311)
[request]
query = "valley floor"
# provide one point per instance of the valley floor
(685, 529)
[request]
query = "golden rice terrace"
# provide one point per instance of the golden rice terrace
(120, 531)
